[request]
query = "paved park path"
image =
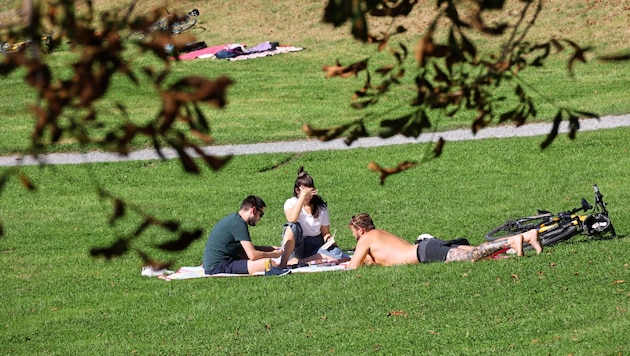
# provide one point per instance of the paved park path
(537, 129)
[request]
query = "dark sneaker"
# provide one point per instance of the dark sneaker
(277, 271)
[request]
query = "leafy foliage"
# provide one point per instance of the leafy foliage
(67, 105)
(124, 244)
(449, 72)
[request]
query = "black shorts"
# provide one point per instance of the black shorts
(229, 266)
(436, 250)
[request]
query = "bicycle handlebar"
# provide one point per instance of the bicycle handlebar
(585, 206)
(599, 199)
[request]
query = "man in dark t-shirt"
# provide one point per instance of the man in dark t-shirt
(229, 248)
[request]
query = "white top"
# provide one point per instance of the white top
(311, 226)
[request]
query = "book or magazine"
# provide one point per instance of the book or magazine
(330, 243)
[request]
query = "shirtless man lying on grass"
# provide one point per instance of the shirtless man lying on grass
(380, 247)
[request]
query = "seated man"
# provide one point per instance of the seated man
(380, 247)
(229, 248)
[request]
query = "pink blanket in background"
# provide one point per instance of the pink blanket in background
(211, 51)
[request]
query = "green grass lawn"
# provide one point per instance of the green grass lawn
(272, 98)
(572, 299)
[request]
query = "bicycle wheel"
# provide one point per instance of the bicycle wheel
(183, 26)
(555, 236)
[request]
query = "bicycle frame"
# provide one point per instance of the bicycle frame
(177, 26)
(7, 47)
(556, 222)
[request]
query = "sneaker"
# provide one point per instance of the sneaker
(148, 271)
(277, 271)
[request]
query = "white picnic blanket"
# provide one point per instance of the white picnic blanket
(190, 272)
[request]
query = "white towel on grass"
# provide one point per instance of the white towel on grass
(198, 272)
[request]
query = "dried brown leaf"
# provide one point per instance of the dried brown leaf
(156, 265)
(439, 146)
(119, 211)
(26, 182)
(184, 240)
(117, 249)
(386, 172)
(397, 313)
(344, 71)
(213, 162)
(312, 132)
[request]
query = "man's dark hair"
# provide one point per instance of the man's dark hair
(253, 201)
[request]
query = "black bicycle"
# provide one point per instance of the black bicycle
(556, 228)
(14, 47)
(173, 26)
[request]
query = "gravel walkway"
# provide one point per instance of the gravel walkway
(537, 129)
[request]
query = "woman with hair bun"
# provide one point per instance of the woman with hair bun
(308, 225)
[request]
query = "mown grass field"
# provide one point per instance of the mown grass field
(271, 99)
(571, 299)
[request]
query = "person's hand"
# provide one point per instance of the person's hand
(329, 242)
(277, 251)
(307, 192)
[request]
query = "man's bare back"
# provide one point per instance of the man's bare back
(383, 248)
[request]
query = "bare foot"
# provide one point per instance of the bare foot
(516, 242)
(531, 237)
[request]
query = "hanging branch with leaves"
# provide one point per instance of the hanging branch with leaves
(450, 76)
